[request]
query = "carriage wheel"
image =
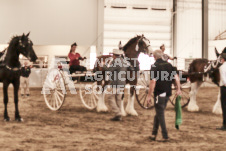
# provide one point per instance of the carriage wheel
(142, 91)
(54, 90)
(185, 99)
(88, 92)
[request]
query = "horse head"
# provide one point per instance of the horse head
(217, 53)
(138, 44)
(143, 45)
(25, 47)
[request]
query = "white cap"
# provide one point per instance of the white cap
(117, 52)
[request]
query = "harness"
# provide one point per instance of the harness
(137, 45)
(2, 64)
(12, 69)
(211, 67)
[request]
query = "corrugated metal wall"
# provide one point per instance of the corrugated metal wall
(189, 33)
(124, 24)
(217, 25)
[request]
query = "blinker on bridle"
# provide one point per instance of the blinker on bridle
(137, 47)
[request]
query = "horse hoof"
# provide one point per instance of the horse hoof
(132, 112)
(217, 111)
(104, 109)
(19, 119)
(193, 108)
(7, 119)
(124, 114)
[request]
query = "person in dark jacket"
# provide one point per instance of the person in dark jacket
(162, 74)
(24, 80)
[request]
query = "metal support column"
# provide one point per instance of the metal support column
(100, 27)
(205, 29)
(174, 36)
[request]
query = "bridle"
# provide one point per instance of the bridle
(141, 38)
(212, 64)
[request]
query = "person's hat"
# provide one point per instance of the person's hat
(74, 44)
(223, 55)
(161, 46)
(117, 52)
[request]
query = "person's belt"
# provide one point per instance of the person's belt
(25, 76)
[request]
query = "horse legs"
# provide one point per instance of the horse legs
(130, 105)
(122, 105)
(217, 107)
(16, 88)
(101, 107)
(5, 93)
(192, 106)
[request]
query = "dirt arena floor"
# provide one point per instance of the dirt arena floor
(74, 127)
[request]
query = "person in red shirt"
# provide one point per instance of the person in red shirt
(75, 60)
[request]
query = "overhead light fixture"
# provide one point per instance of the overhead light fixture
(159, 9)
(121, 7)
(140, 8)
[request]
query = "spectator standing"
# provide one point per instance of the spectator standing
(24, 80)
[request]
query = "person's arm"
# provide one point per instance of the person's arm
(70, 56)
(29, 71)
(152, 84)
(80, 57)
(171, 58)
(151, 90)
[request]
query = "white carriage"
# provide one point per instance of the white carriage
(58, 83)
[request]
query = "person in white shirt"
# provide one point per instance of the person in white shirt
(223, 89)
(165, 57)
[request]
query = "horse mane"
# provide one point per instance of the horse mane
(130, 42)
(14, 39)
(224, 50)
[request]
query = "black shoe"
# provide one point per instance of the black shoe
(28, 94)
(223, 128)
(116, 118)
(152, 138)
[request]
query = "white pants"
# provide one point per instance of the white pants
(24, 85)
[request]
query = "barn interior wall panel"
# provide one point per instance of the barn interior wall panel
(189, 33)
(51, 22)
(217, 26)
(122, 24)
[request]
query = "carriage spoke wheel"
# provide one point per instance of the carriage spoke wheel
(185, 99)
(54, 90)
(142, 91)
(88, 92)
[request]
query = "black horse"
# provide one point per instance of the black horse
(10, 68)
